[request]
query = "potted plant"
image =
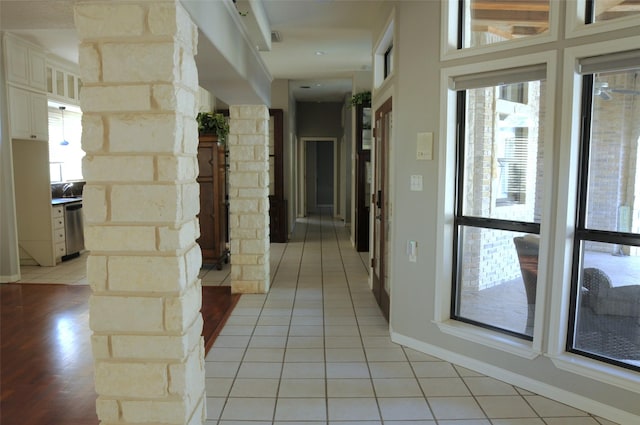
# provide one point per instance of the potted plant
(362, 98)
(213, 123)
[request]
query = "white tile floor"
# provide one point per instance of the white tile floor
(316, 350)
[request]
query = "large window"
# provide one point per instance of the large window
(65, 149)
(498, 198)
(605, 302)
(608, 10)
(485, 22)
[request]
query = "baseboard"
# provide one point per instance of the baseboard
(579, 402)
(9, 278)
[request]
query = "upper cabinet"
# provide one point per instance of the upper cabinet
(25, 64)
(62, 84)
(28, 114)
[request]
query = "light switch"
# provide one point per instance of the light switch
(416, 183)
(424, 146)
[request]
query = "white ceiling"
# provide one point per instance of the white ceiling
(340, 29)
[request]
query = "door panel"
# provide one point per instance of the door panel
(380, 205)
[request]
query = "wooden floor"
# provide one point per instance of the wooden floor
(46, 365)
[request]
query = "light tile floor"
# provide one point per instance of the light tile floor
(316, 350)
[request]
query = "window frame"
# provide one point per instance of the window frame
(565, 217)
(577, 25)
(450, 21)
(444, 261)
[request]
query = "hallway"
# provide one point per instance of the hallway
(316, 350)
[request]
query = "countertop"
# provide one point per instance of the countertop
(61, 201)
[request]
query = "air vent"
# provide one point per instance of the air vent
(275, 37)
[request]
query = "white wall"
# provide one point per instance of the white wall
(9, 257)
(416, 108)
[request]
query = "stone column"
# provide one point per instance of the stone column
(139, 132)
(249, 198)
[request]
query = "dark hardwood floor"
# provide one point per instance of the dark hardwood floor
(46, 365)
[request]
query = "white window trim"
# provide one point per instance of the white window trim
(577, 28)
(565, 217)
(445, 217)
(449, 40)
(384, 42)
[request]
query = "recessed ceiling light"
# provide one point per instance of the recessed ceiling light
(320, 53)
(318, 85)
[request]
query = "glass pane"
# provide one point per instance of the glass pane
(503, 162)
(613, 200)
(49, 80)
(272, 175)
(60, 83)
(497, 279)
(366, 129)
(608, 306)
(494, 21)
(71, 89)
(607, 10)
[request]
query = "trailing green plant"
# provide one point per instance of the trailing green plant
(213, 123)
(361, 98)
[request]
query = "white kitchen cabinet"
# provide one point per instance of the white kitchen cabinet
(62, 84)
(25, 63)
(59, 241)
(28, 115)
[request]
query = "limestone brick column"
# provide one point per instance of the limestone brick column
(139, 132)
(249, 198)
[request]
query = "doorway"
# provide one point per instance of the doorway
(380, 206)
(318, 171)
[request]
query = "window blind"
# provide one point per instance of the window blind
(619, 61)
(499, 78)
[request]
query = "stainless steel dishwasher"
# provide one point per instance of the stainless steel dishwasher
(74, 229)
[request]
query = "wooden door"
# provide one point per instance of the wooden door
(213, 213)
(380, 205)
(363, 176)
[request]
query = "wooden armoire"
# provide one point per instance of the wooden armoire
(212, 179)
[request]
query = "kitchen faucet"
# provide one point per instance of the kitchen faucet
(65, 188)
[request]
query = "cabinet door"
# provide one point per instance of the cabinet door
(17, 62)
(20, 117)
(37, 70)
(28, 115)
(39, 117)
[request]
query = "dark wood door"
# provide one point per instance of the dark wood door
(380, 204)
(277, 202)
(363, 176)
(213, 209)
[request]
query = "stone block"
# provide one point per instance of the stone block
(190, 199)
(190, 136)
(97, 168)
(139, 62)
(168, 97)
(250, 112)
(193, 261)
(189, 72)
(239, 233)
(100, 347)
(177, 238)
(94, 203)
(188, 377)
(242, 180)
(126, 314)
(92, 133)
(252, 221)
(157, 133)
(244, 127)
(120, 238)
(241, 259)
(124, 98)
(167, 411)
(241, 153)
(253, 193)
(146, 274)
(90, 63)
(107, 410)
(105, 20)
(134, 380)
(257, 272)
(145, 204)
(247, 287)
(252, 247)
(181, 311)
(97, 271)
(243, 205)
(176, 168)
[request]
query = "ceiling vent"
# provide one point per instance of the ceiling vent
(275, 37)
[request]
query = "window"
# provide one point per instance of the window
(498, 198)
(65, 150)
(485, 22)
(605, 300)
(607, 10)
